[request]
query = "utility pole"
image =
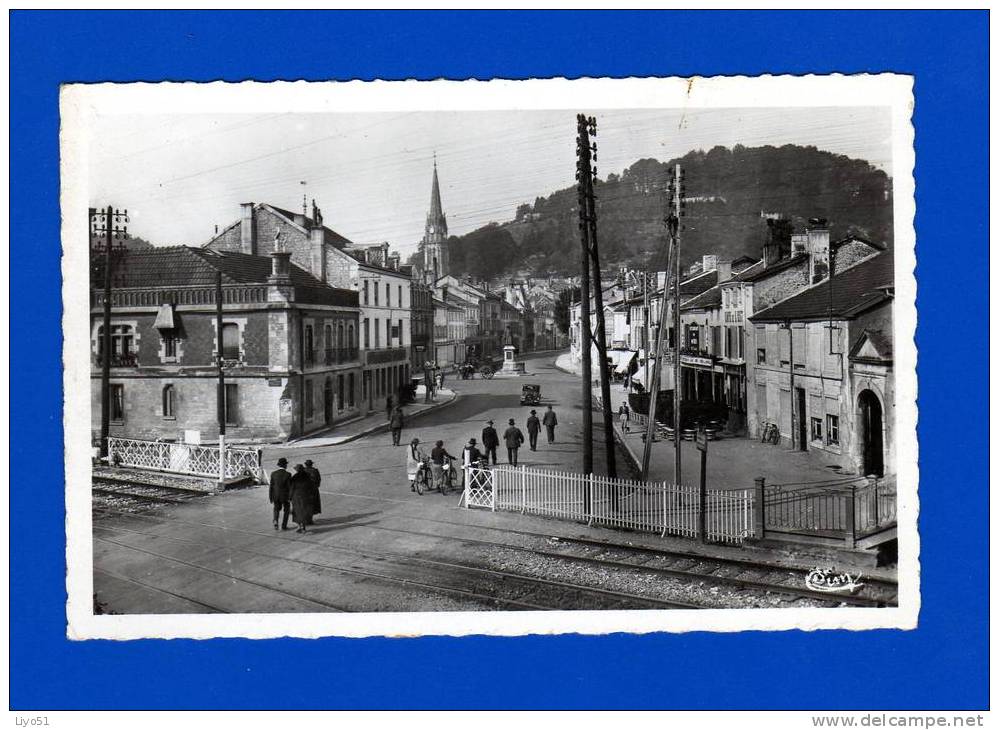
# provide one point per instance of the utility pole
(586, 336)
(589, 172)
(679, 202)
(220, 399)
(112, 225)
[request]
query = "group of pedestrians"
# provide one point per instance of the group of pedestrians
(513, 437)
(295, 493)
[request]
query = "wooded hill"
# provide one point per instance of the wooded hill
(727, 189)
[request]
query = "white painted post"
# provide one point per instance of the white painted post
(523, 489)
(221, 459)
(492, 492)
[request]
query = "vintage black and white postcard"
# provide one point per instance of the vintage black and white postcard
(489, 357)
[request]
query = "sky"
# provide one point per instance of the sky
(180, 175)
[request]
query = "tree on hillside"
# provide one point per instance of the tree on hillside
(565, 298)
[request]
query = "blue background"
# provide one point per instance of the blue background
(943, 664)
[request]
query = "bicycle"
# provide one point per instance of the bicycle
(771, 434)
(423, 476)
(447, 476)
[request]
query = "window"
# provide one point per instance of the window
(816, 428)
(169, 345)
(117, 403)
(168, 401)
(339, 336)
(231, 403)
(401, 343)
(376, 293)
(310, 405)
(388, 294)
(378, 336)
(309, 345)
(350, 390)
(230, 341)
(350, 337)
(367, 338)
(716, 346)
(761, 356)
(328, 342)
(832, 429)
(339, 392)
(400, 296)
(122, 345)
(365, 291)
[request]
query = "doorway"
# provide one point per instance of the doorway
(328, 401)
(871, 434)
(799, 397)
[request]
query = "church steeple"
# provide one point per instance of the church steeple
(434, 244)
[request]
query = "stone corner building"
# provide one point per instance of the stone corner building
(384, 331)
(288, 343)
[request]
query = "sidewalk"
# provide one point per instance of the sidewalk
(374, 423)
(733, 462)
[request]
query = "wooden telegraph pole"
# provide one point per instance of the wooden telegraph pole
(220, 397)
(588, 152)
(679, 205)
(586, 336)
(112, 225)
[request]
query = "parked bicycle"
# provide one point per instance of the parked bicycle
(424, 476)
(449, 478)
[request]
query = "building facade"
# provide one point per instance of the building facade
(384, 335)
(288, 344)
(822, 368)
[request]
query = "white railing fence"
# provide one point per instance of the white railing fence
(182, 458)
(647, 507)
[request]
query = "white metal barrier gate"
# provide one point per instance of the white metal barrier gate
(185, 458)
(479, 490)
(649, 507)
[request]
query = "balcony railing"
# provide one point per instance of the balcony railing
(337, 357)
(125, 360)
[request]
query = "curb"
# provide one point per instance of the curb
(384, 427)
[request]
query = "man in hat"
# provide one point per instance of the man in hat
(396, 422)
(280, 492)
(490, 440)
(317, 478)
(550, 422)
(533, 429)
(470, 454)
(300, 489)
(513, 438)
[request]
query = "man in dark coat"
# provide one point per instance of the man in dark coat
(300, 486)
(389, 403)
(550, 423)
(513, 438)
(280, 492)
(395, 423)
(533, 429)
(317, 478)
(490, 440)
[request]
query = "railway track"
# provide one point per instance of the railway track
(489, 586)
(740, 573)
(137, 495)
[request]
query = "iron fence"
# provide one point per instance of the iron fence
(180, 458)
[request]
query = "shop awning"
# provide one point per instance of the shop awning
(622, 360)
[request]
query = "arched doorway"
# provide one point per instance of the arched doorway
(871, 433)
(328, 400)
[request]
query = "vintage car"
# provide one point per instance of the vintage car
(530, 395)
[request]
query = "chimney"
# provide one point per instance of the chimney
(317, 252)
(299, 219)
(778, 243)
(280, 268)
(709, 261)
(799, 244)
(818, 249)
(724, 271)
(247, 229)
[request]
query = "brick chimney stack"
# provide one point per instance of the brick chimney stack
(818, 249)
(317, 245)
(724, 271)
(247, 229)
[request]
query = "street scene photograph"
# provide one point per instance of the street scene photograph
(390, 359)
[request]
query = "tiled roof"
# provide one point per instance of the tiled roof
(711, 298)
(781, 265)
(173, 266)
(846, 295)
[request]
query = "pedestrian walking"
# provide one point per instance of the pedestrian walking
(550, 422)
(513, 438)
(624, 415)
(533, 429)
(389, 403)
(442, 378)
(280, 492)
(396, 423)
(490, 441)
(414, 458)
(317, 478)
(300, 486)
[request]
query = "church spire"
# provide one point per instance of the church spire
(434, 244)
(436, 215)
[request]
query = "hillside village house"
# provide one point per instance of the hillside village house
(288, 343)
(823, 371)
(383, 336)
